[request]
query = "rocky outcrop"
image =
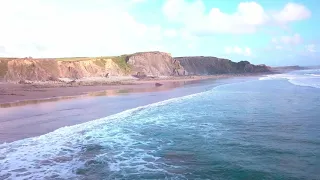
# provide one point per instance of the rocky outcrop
(201, 65)
(154, 64)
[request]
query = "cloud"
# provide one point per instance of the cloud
(311, 48)
(248, 18)
(291, 40)
(238, 50)
(292, 12)
(52, 28)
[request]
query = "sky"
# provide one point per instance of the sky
(272, 32)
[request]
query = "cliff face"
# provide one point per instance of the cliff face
(89, 68)
(200, 65)
(154, 64)
(138, 64)
(25, 69)
(51, 69)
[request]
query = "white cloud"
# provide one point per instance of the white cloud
(292, 12)
(311, 48)
(52, 28)
(286, 43)
(295, 39)
(247, 19)
(238, 50)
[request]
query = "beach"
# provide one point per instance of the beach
(35, 110)
(17, 94)
(12, 94)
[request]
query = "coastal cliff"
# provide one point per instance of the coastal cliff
(154, 64)
(142, 64)
(52, 69)
(201, 65)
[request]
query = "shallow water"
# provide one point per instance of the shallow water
(258, 129)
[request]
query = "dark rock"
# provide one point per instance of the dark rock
(52, 78)
(158, 84)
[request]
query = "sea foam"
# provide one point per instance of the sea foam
(56, 154)
(306, 79)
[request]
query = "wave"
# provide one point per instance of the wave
(63, 152)
(316, 75)
(311, 79)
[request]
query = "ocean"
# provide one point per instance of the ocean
(259, 128)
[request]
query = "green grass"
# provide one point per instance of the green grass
(75, 58)
(100, 62)
(121, 61)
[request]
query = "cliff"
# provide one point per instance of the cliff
(13, 69)
(137, 64)
(200, 65)
(154, 64)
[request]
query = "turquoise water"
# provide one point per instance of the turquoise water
(258, 129)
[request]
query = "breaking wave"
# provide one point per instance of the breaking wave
(104, 145)
(309, 78)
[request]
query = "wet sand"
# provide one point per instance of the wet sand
(23, 94)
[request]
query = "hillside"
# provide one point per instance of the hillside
(137, 64)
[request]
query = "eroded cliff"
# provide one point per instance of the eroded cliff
(52, 69)
(154, 64)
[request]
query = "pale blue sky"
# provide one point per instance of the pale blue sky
(273, 32)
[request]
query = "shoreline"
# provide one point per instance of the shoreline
(13, 94)
(20, 122)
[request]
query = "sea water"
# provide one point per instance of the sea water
(267, 128)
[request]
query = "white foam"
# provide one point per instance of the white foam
(33, 153)
(308, 79)
(315, 75)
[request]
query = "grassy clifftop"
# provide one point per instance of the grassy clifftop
(121, 61)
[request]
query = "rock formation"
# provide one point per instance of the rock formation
(154, 64)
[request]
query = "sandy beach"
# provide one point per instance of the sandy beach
(30, 110)
(15, 94)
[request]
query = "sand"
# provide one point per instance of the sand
(15, 94)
